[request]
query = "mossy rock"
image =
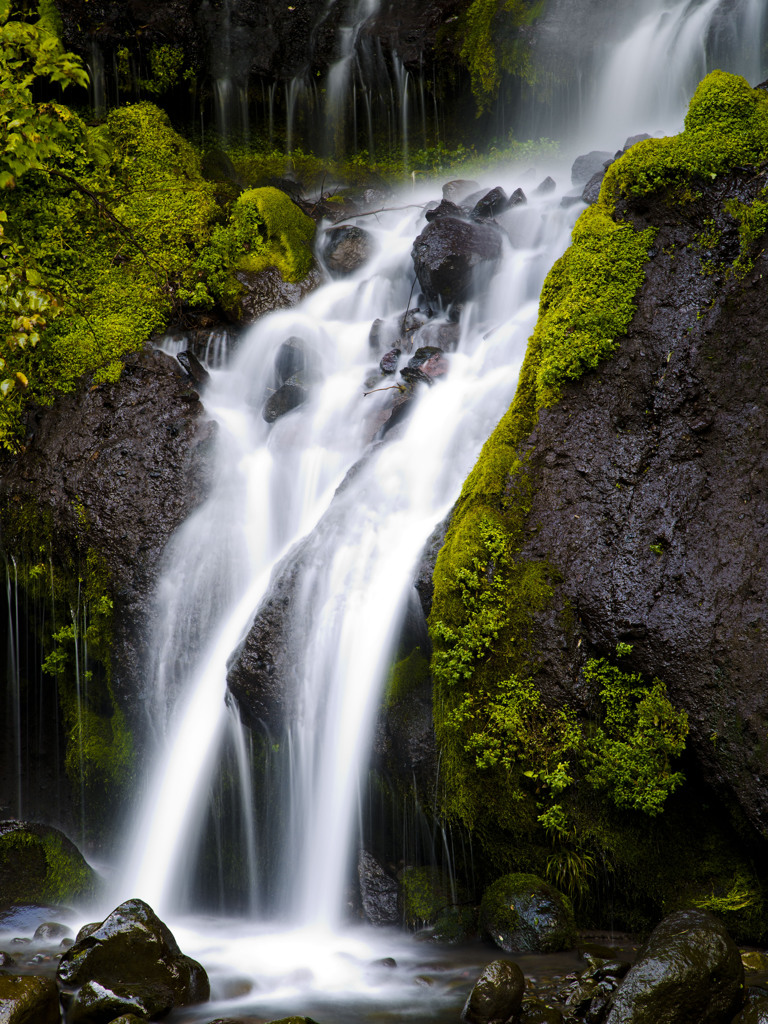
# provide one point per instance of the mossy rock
(523, 914)
(38, 864)
(429, 899)
(27, 999)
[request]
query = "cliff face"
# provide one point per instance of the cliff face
(621, 512)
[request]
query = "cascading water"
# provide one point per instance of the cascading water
(277, 506)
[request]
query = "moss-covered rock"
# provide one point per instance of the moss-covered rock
(523, 914)
(39, 864)
(27, 999)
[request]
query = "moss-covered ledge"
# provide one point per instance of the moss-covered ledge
(491, 594)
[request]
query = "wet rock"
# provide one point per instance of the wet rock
(546, 187)
(537, 1012)
(588, 164)
(689, 970)
(430, 360)
(52, 930)
(412, 375)
(194, 367)
(491, 205)
(389, 361)
(442, 334)
(378, 891)
(444, 208)
(6, 960)
(522, 913)
(346, 249)
(518, 198)
(264, 291)
(430, 899)
(39, 864)
(449, 253)
(755, 1011)
(496, 996)
(290, 395)
(129, 963)
(591, 191)
(292, 358)
(456, 191)
(27, 999)
(376, 335)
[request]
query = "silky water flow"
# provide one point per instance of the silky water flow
(277, 506)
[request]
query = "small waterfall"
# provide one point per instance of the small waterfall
(337, 90)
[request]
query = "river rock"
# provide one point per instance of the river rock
(491, 205)
(448, 254)
(129, 962)
(497, 994)
(378, 891)
(634, 139)
(430, 361)
(28, 999)
(591, 191)
(39, 864)
(457, 190)
(518, 198)
(522, 913)
(194, 367)
(290, 395)
(346, 249)
(588, 164)
(547, 186)
(292, 358)
(388, 362)
(689, 970)
(755, 1011)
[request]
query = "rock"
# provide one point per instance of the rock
(457, 190)
(413, 376)
(522, 913)
(38, 864)
(634, 139)
(689, 970)
(28, 999)
(346, 249)
(264, 291)
(449, 253)
(288, 396)
(588, 164)
(755, 1011)
(591, 191)
(375, 334)
(130, 962)
(194, 367)
(491, 205)
(292, 358)
(378, 891)
(444, 208)
(518, 198)
(497, 994)
(388, 363)
(442, 334)
(545, 187)
(52, 930)
(430, 361)
(6, 960)
(537, 1012)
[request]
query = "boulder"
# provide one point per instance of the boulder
(264, 291)
(689, 970)
(522, 913)
(445, 208)
(346, 249)
(292, 358)
(28, 999)
(457, 190)
(290, 395)
(449, 253)
(493, 203)
(39, 864)
(378, 891)
(129, 963)
(194, 367)
(588, 164)
(591, 191)
(497, 994)
(634, 139)
(518, 198)
(388, 362)
(431, 361)
(755, 1010)
(546, 186)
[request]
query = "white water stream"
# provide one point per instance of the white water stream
(275, 486)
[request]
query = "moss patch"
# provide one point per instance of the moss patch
(40, 865)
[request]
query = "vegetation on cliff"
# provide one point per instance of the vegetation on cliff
(541, 787)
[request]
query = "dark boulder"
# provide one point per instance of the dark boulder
(449, 253)
(518, 198)
(264, 291)
(290, 395)
(28, 999)
(194, 367)
(497, 995)
(39, 865)
(346, 249)
(588, 164)
(755, 1010)
(546, 186)
(445, 208)
(292, 358)
(591, 191)
(129, 962)
(491, 205)
(430, 360)
(689, 970)
(522, 913)
(378, 891)
(388, 362)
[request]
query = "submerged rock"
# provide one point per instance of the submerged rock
(522, 913)
(128, 963)
(496, 996)
(689, 970)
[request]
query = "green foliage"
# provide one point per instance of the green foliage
(726, 126)
(492, 43)
(752, 219)
(167, 66)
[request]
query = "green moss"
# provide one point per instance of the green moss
(405, 676)
(38, 865)
(752, 219)
(726, 126)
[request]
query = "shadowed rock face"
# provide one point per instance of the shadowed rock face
(651, 497)
(130, 459)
